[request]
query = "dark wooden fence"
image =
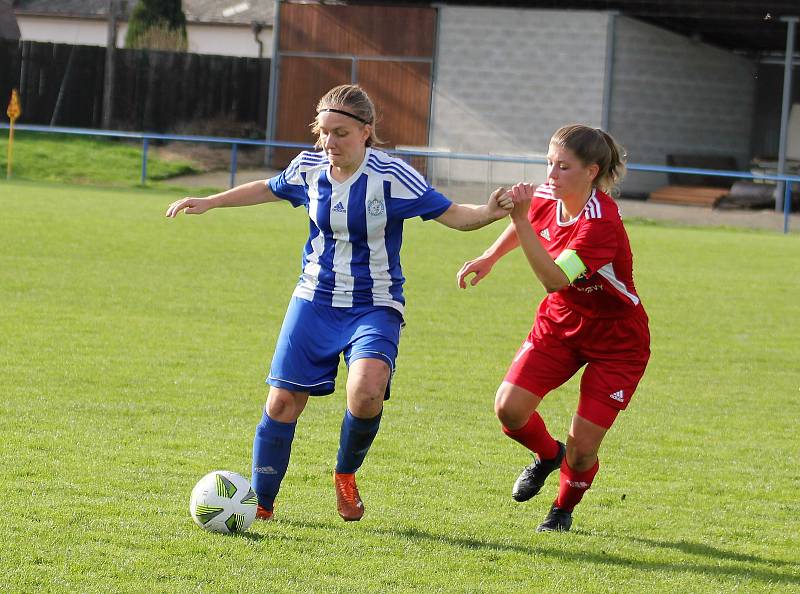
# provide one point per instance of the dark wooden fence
(154, 91)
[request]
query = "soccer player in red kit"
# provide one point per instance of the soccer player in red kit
(573, 237)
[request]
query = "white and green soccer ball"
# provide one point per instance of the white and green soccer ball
(223, 501)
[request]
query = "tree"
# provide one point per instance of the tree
(8, 22)
(157, 24)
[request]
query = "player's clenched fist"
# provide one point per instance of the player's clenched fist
(521, 195)
(502, 198)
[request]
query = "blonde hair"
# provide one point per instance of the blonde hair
(354, 101)
(594, 146)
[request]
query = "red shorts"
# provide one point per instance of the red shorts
(615, 352)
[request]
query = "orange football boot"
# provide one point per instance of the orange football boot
(262, 513)
(348, 501)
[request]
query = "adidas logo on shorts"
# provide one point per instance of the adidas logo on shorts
(618, 396)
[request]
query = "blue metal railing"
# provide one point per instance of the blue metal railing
(146, 137)
(786, 179)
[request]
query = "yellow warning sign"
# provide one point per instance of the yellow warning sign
(14, 109)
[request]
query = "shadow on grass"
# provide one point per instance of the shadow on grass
(254, 536)
(540, 546)
(694, 548)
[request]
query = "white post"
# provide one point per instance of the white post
(608, 76)
(791, 23)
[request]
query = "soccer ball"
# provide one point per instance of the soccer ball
(223, 501)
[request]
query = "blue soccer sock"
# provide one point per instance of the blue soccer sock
(354, 441)
(271, 448)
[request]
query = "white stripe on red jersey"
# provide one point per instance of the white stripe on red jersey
(592, 209)
(544, 191)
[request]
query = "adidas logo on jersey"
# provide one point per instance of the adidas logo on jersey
(545, 233)
(618, 396)
(339, 207)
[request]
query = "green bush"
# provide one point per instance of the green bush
(157, 24)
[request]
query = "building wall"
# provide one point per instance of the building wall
(767, 109)
(72, 31)
(223, 40)
(506, 79)
(673, 95)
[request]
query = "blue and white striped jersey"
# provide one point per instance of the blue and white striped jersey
(352, 256)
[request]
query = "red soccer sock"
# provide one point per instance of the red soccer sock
(534, 436)
(573, 484)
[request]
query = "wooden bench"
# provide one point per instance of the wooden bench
(689, 195)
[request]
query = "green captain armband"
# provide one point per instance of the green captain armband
(571, 264)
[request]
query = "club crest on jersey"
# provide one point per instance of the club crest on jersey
(545, 233)
(375, 207)
(339, 207)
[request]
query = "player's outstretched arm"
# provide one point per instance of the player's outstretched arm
(257, 192)
(468, 217)
(546, 270)
(482, 265)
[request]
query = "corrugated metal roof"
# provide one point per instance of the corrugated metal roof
(197, 11)
(229, 11)
(745, 25)
(84, 8)
(749, 26)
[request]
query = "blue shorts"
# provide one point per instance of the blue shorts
(313, 336)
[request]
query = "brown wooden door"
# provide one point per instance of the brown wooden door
(303, 82)
(387, 50)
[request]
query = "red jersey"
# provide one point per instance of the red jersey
(605, 289)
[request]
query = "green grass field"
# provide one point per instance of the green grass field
(61, 158)
(132, 355)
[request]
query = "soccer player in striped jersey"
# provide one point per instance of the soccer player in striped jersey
(349, 297)
(572, 235)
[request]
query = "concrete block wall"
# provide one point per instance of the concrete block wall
(673, 95)
(505, 79)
